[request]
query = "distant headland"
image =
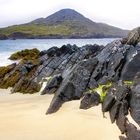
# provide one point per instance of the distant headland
(66, 23)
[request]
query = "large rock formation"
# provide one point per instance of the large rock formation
(89, 100)
(98, 74)
(28, 75)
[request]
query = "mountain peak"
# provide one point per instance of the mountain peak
(60, 16)
(68, 13)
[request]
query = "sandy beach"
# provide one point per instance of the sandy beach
(22, 117)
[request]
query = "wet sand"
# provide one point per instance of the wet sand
(22, 117)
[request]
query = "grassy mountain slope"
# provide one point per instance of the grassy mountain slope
(65, 23)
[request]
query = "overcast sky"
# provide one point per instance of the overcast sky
(120, 13)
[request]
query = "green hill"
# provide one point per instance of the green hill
(66, 23)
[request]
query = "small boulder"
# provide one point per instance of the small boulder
(52, 85)
(89, 100)
(121, 120)
(108, 102)
(132, 132)
(114, 111)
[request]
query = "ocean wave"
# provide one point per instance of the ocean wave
(4, 58)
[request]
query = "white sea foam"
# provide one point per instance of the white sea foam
(4, 58)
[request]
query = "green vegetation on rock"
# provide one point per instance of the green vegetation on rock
(128, 82)
(25, 55)
(11, 81)
(4, 70)
(101, 90)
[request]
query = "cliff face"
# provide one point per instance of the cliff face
(70, 72)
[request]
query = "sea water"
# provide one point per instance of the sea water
(7, 47)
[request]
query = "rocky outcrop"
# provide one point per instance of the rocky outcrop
(132, 133)
(74, 84)
(28, 75)
(133, 37)
(52, 85)
(90, 100)
(116, 102)
(135, 99)
(97, 74)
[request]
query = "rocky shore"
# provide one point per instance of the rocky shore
(109, 75)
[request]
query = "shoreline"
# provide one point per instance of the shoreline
(61, 38)
(23, 117)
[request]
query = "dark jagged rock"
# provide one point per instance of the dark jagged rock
(117, 105)
(91, 50)
(52, 85)
(89, 100)
(135, 99)
(75, 83)
(131, 68)
(50, 52)
(133, 37)
(54, 51)
(109, 100)
(117, 92)
(111, 60)
(114, 111)
(65, 95)
(108, 103)
(132, 133)
(55, 104)
(121, 119)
